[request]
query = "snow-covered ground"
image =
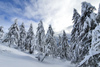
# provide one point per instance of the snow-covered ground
(10, 57)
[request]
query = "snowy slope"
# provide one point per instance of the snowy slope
(10, 57)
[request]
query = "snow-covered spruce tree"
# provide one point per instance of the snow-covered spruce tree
(65, 46)
(93, 58)
(51, 42)
(29, 41)
(74, 35)
(59, 46)
(40, 38)
(22, 33)
(12, 36)
(1, 32)
(86, 22)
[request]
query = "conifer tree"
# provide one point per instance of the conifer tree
(59, 46)
(29, 41)
(65, 46)
(40, 38)
(86, 23)
(74, 35)
(22, 32)
(12, 36)
(93, 58)
(51, 42)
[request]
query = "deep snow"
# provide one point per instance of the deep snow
(10, 57)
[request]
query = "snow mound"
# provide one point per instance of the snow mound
(10, 57)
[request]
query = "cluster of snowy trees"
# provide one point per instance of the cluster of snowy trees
(84, 46)
(18, 38)
(45, 44)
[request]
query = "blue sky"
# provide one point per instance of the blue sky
(58, 13)
(12, 9)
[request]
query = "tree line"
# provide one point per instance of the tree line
(46, 44)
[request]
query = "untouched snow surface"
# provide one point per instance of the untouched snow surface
(10, 57)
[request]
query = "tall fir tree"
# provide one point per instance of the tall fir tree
(74, 34)
(86, 23)
(65, 46)
(59, 46)
(51, 42)
(40, 38)
(29, 41)
(22, 33)
(93, 58)
(12, 36)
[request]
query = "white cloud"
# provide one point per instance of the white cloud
(51, 12)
